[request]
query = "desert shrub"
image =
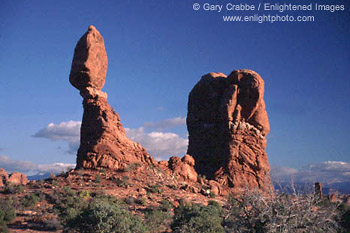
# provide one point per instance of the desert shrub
(13, 189)
(212, 195)
(85, 194)
(344, 218)
(40, 194)
(132, 167)
(171, 186)
(129, 200)
(51, 225)
(123, 183)
(67, 204)
(7, 214)
(104, 214)
(141, 201)
(256, 212)
(98, 178)
(157, 220)
(154, 189)
(30, 200)
(197, 218)
(103, 171)
(68, 191)
(165, 205)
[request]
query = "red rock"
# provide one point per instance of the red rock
(103, 143)
(227, 124)
(17, 178)
(3, 177)
(333, 198)
(214, 187)
(89, 64)
(183, 167)
(318, 190)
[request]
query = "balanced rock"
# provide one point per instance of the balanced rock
(227, 124)
(103, 143)
(89, 66)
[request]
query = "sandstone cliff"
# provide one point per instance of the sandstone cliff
(227, 124)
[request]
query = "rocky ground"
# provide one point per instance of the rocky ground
(139, 187)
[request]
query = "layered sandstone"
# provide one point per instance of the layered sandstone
(103, 143)
(227, 124)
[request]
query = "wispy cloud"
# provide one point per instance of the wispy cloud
(31, 168)
(326, 172)
(65, 131)
(159, 144)
(165, 124)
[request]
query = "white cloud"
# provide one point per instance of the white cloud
(65, 131)
(31, 168)
(159, 144)
(325, 172)
(165, 124)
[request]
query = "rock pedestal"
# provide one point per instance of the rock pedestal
(103, 143)
(318, 190)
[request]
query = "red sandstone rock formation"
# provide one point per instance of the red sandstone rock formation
(227, 124)
(14, 178)
(318, 190)
(103, 143)
(3, 177)
(183, 167)
(18, 178)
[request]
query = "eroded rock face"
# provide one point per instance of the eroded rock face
(15, 178)
(103, 143)
(227, 124)
(183, 167)
(3, 177)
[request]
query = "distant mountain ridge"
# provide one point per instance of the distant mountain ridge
(39, 176)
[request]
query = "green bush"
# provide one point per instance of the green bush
(7, 214)
(197, 218)
(13, 189)
(165, 205)
(132, 167)
(344, 219)
(98, 178)
(157, 220)
(67, 204)
(154, 189)
(106, 215)
(30, 200)
(123, 183)
(141, 201)
(85, 194)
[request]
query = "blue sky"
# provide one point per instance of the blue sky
(157, 51)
